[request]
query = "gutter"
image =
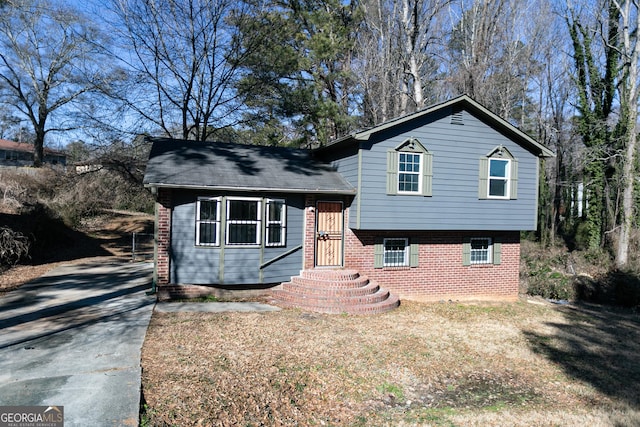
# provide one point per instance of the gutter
(252, 189)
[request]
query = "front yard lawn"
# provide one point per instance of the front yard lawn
(445, 364)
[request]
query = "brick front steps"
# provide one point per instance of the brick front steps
(334, 291)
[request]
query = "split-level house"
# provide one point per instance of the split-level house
(427, 206)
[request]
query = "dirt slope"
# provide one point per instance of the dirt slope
(108, 235)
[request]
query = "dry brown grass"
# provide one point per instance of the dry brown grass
(424, 364)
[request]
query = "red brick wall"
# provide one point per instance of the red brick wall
(309, 232)
(440, 274)
(163, 238)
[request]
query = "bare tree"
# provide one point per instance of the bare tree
(629, 94)
(181, 58)
(398, 55)
(493, 51)
(47, 65)
(553, 127)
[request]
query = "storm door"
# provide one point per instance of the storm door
(329, 232)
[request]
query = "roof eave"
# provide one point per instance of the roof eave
(252, 189)
(533, 145)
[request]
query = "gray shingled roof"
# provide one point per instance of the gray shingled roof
(223, 166)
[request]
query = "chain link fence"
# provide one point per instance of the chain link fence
(142, 246)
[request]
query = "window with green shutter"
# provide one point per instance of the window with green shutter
(498, 175)
(481, 250)
(409, 169)
(395, 252)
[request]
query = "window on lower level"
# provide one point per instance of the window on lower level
(208, 221)
(275, 226)
(243, 221)
(481, 250)
(396, 252)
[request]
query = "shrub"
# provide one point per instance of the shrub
(24, 187)
(14, 246)
(627, 287)
(82, 196)
(547, 283)
(546, 271)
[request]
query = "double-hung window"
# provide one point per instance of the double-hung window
(396, 252)
(499, 177)
(409, 176)
(409, 169)
(240, 221)
(243, 221)
(208, 221)
(275, 226)
(481, 250)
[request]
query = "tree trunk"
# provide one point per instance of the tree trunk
(38, 142)
(622, 253)
(629, 101)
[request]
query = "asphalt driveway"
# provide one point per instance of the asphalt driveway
(73, 338)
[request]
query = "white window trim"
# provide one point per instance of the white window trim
(507, 189)
(257, 221)
(406, 252)
(200, 221)
(282, 223)
(419, 173)
(489, 251)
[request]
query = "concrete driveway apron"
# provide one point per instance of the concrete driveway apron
(73, 338)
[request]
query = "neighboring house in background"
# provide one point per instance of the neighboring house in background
(429, 205)
(21, 154)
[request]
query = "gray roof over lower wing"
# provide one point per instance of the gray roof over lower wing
(222, 166)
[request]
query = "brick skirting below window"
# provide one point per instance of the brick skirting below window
(440, 274)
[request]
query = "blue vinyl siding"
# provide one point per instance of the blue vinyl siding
(454, 204)
(283, 269)
(241, 265)
(348, 168)
(191, 264)
(347, 164)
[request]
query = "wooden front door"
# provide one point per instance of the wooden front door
(329, 230)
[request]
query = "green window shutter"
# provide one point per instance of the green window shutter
(392, 172)
(466, 251)
(427, 174)
(497, 252)
(514, 180)
(483, 178)
(413, 252)
(378, 253)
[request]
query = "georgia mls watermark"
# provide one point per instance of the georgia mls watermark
(31, 416)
